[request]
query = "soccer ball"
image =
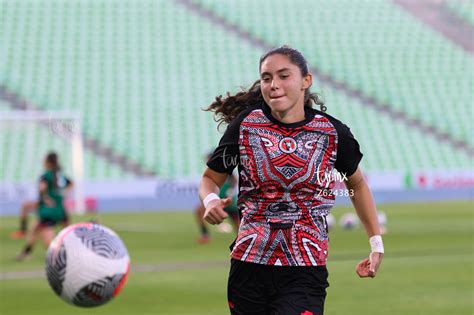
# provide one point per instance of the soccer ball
(349, 221)
(87, 264)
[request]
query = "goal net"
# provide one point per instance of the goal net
(25, 139)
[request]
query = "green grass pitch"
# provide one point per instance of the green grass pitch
(427, 269)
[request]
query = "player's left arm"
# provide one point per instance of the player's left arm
(364, 204)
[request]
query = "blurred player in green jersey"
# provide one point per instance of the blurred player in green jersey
(53, 185)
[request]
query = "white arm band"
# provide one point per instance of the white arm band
(209, 198)
(376, 244)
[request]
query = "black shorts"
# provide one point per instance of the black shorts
(261, 289)
(51, 223)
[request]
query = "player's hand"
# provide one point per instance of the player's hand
(369, 266)
(215, 213)
(49, 202)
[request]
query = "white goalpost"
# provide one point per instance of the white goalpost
(30, 134)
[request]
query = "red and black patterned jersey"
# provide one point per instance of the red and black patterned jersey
(284, 170)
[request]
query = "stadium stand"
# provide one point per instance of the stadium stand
(165, 68)
(374, 46)
(139, 73)
(24, 145)
(462, 8)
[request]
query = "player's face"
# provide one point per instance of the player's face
(47, 165)
(282, 84)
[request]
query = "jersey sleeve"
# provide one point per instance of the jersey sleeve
(348, 151)
(226, 156)
(45, 178)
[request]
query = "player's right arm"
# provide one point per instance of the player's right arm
(211, 182)
(220, 165)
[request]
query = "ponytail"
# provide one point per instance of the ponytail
(227, 108)
(53, 162)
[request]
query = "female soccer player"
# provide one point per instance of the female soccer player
(52, 187)
(288, 156)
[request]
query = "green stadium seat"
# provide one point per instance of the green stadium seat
(139, 73)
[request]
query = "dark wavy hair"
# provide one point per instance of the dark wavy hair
(53, 163)
(227, 107)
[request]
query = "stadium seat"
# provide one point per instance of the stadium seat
(140, 72)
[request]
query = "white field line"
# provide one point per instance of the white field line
(176, 266)
(161, 267)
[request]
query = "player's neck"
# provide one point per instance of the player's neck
(293, 115)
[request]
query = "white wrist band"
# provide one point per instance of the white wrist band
(209, 198)
(376, 244)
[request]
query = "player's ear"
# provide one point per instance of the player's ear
(307, 81)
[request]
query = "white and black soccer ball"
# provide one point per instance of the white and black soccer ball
(87, 264)
(349, 221)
